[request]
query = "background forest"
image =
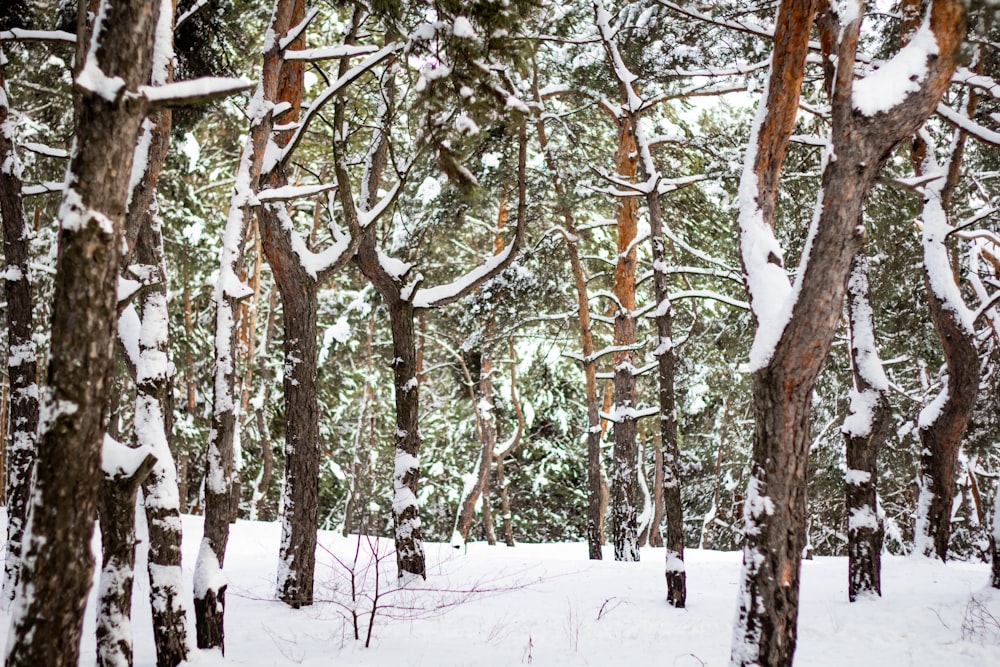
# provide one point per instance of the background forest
(496, 140)
(523, 320)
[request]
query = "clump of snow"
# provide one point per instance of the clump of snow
(902, 75)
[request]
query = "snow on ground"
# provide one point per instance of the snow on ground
(546, 604)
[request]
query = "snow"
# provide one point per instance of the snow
(120, 460)
(430, 297)
(195, 89)
(548, 601)
(463, 28)
(890, 84)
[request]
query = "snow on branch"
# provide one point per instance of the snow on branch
(189, 13)
(292, 192)
(904, 74)
(42, 188)
(42, 149)
(20, 35)
(966, 124)
(297, 31)
(331, 53)
(193, 92)
(433, 297)
(334, 89)
(622, 413)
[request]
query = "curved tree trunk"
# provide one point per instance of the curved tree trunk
(865, 429)
(57, 570)
(796, 323)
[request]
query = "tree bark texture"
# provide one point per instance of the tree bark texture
(153, 414)
(57, 561)
(116, 509)
(595, 513)
(22, 369)
(670, 456)
(865, 430)
(209, 597)
(775, 506)
(624, 466)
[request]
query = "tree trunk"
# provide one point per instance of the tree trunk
(263, 430)
(406, 472)
(116, 508)
(624, 473)
(22, 372)
(297, 556)
(57, 560)
(595, 508)
(796, 325)
(670, 451)
(865, 429)
(210, 584)
(487, 437)
(366, 426)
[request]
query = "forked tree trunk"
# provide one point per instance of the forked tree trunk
(22, 371)
(209, 582)
(865, 429)
(116, 509)
(47, 618)
(796, 325)
(624, 473)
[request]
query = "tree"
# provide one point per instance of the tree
(796, 322)
(47, 618)
(19, 449)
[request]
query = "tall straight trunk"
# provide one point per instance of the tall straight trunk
(153, 418)
(297, 555)
(260, 415)
(22, 372)
(57, 564)
(669, 449)
(796, 324)
(595, 506)
(153, 371)
(406, 470)
(209, 582)
(995, 542)
(865, 429)
(624, 473)
(116, 509)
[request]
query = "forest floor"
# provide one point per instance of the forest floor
(546, 604)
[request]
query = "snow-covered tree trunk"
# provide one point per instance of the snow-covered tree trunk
(19, 448)
(487, 441)
(595, 505)
(153, 370)
(57, 570)
(668, 471)
(796, 321)
(865, 429)
(943, 421)
(124, 470)
(209, 581)
(624, 478)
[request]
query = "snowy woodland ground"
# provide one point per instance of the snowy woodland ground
(546, 604)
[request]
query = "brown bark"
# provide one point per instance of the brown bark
(58, 563)
(775, 507)
(116, 509)
(502, 484)
(864, 528)
(209, 600)
(595, 511)
(21, 413)
(624, 479)
(263, 430)
(366, 427)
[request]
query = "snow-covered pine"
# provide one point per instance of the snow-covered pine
(209, 598)
(664, 351)
(19, 449)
